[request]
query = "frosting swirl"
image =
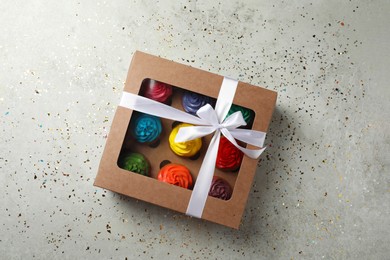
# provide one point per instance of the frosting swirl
(145, 128)
(158, 91)
(176, 174)
(229, 157)
(220, 189)
(185, 149)
(193, 101)
(246, 113)
(135, 162)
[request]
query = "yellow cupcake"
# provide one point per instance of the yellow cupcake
(185, 149)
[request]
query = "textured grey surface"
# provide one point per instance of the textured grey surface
(322, 190)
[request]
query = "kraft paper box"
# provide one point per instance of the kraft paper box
(110, 176)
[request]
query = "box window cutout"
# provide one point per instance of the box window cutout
(146, 146)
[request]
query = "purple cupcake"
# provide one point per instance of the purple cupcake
(193, 101)
(220, 189)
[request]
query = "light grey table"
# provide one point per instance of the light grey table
(322, 189)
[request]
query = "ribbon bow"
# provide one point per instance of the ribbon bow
(228, 128)
(208, 121)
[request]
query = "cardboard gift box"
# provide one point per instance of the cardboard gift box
(147, 188)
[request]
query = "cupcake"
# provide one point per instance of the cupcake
(175, 174)
(246, 113)
(135, 162)
(158, 91)
(220, 189)
(229, 157)
(193, 101)
(185, 149)
(145, 128)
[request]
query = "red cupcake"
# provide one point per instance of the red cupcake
(229, 157)
(158, 91)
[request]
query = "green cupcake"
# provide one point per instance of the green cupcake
(246, 113)
(135, 162)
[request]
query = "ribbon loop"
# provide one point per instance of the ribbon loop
(188, 133)
(234, 120)
(207, 113)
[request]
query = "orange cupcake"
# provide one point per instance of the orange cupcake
(176, 174)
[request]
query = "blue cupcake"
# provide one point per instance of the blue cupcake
(146, 128)
(193, 101)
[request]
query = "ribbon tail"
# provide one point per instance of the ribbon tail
(234, 120)
(205, 177)
(254, 154)
(252, 137)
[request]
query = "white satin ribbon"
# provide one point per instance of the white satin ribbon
(207, 122)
